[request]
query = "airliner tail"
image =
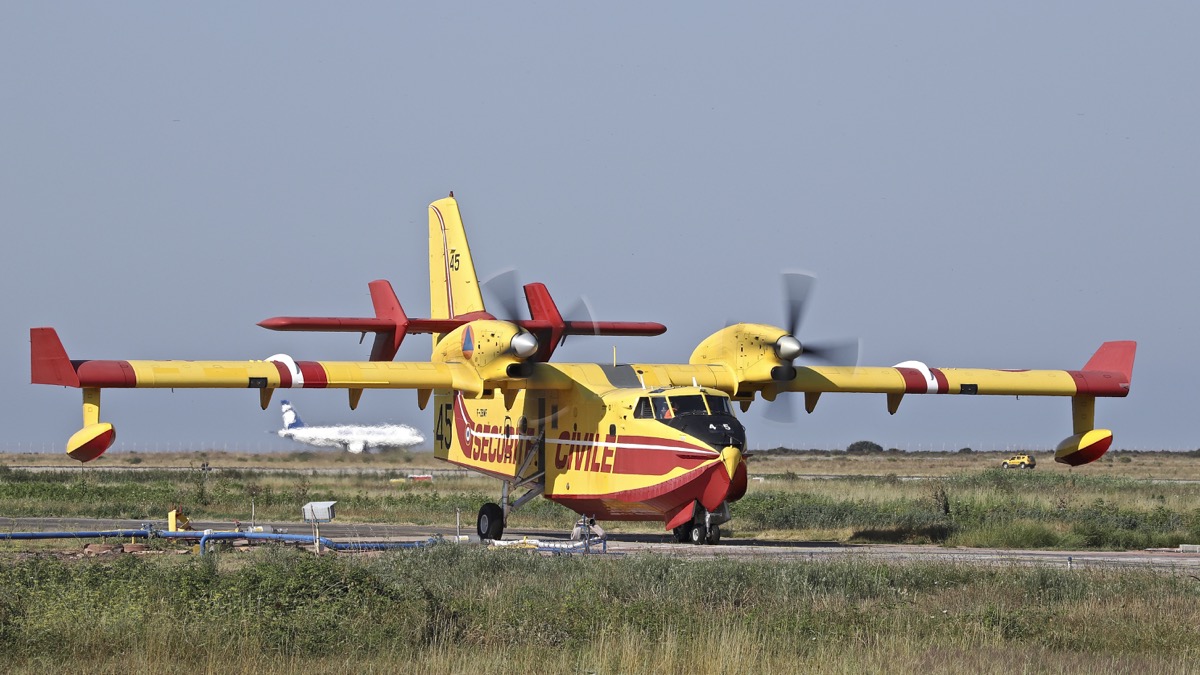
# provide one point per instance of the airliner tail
(291, 419)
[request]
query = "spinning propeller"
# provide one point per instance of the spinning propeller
(546, 323)
(797, 287)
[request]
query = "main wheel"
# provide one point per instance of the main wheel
(1004, 465)
(491, 522)
(682, 534)
(714, 535)
(1023, 465)
(699, 536)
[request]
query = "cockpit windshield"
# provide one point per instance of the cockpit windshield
(664, 407)
(695, 412)
(688, 405)
(718, 405)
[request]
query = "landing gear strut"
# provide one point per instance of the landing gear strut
(494, 517)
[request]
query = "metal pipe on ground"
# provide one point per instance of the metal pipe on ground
(309, 539)
(76, 535)
(208, 536)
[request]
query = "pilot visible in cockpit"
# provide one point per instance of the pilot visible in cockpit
(664, 410)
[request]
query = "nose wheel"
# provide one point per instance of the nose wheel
(702, 534)
(704, 528)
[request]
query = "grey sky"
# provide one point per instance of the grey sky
(975, 185)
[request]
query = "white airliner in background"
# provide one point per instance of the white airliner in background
(353, 437)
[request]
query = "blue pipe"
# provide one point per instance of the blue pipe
(77, 535)
(216, 536)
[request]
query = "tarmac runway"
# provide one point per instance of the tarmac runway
(1165, 560)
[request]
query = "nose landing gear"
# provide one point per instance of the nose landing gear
(705, 526)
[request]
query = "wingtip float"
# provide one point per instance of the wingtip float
(614, 441)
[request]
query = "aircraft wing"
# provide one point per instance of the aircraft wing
(1107, 373)
(50, 365)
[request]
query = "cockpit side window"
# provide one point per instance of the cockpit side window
(718, 405)
(643, 409)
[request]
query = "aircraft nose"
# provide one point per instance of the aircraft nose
(732, 458)
(735, 465)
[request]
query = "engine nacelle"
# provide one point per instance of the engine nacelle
(1083, 448)
(751, 350)
(496, 350)
(91, 441)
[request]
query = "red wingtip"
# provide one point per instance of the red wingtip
(48, 361)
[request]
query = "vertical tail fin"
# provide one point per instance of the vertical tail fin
(48, 361)
(387, 306)
(291, 420)
(1116, 357)
(453, 285)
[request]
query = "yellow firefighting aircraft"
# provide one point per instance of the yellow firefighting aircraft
(634, 441)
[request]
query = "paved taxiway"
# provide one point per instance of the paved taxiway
(732, 547)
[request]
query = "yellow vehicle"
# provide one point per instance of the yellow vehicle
(1019, 461)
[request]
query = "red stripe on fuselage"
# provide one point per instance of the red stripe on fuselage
(710, 485)
(657, 462)
(1089, 382)
(314, 374)
(285, 375)
(914, 381)
(943, 385)
(612, 454)
(106, 374)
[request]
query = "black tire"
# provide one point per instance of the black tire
(1023, 465)
(682, 534)
(714, 535)
(1005, 465)
(698, 535)
(490, 524)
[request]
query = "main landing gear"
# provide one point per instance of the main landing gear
(494, 517)
(490, 524)
(705, 526)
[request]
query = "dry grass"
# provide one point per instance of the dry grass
(1116, 464)
(456, 610)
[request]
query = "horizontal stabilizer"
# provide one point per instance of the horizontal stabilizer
(390, 324)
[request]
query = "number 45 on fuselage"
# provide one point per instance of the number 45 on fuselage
(616, 442)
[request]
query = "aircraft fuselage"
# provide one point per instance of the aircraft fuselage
(609, 451)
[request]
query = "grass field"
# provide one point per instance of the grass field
(452, 609)
(879, 497)
(466, 609)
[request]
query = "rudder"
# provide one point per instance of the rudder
(453, 285)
